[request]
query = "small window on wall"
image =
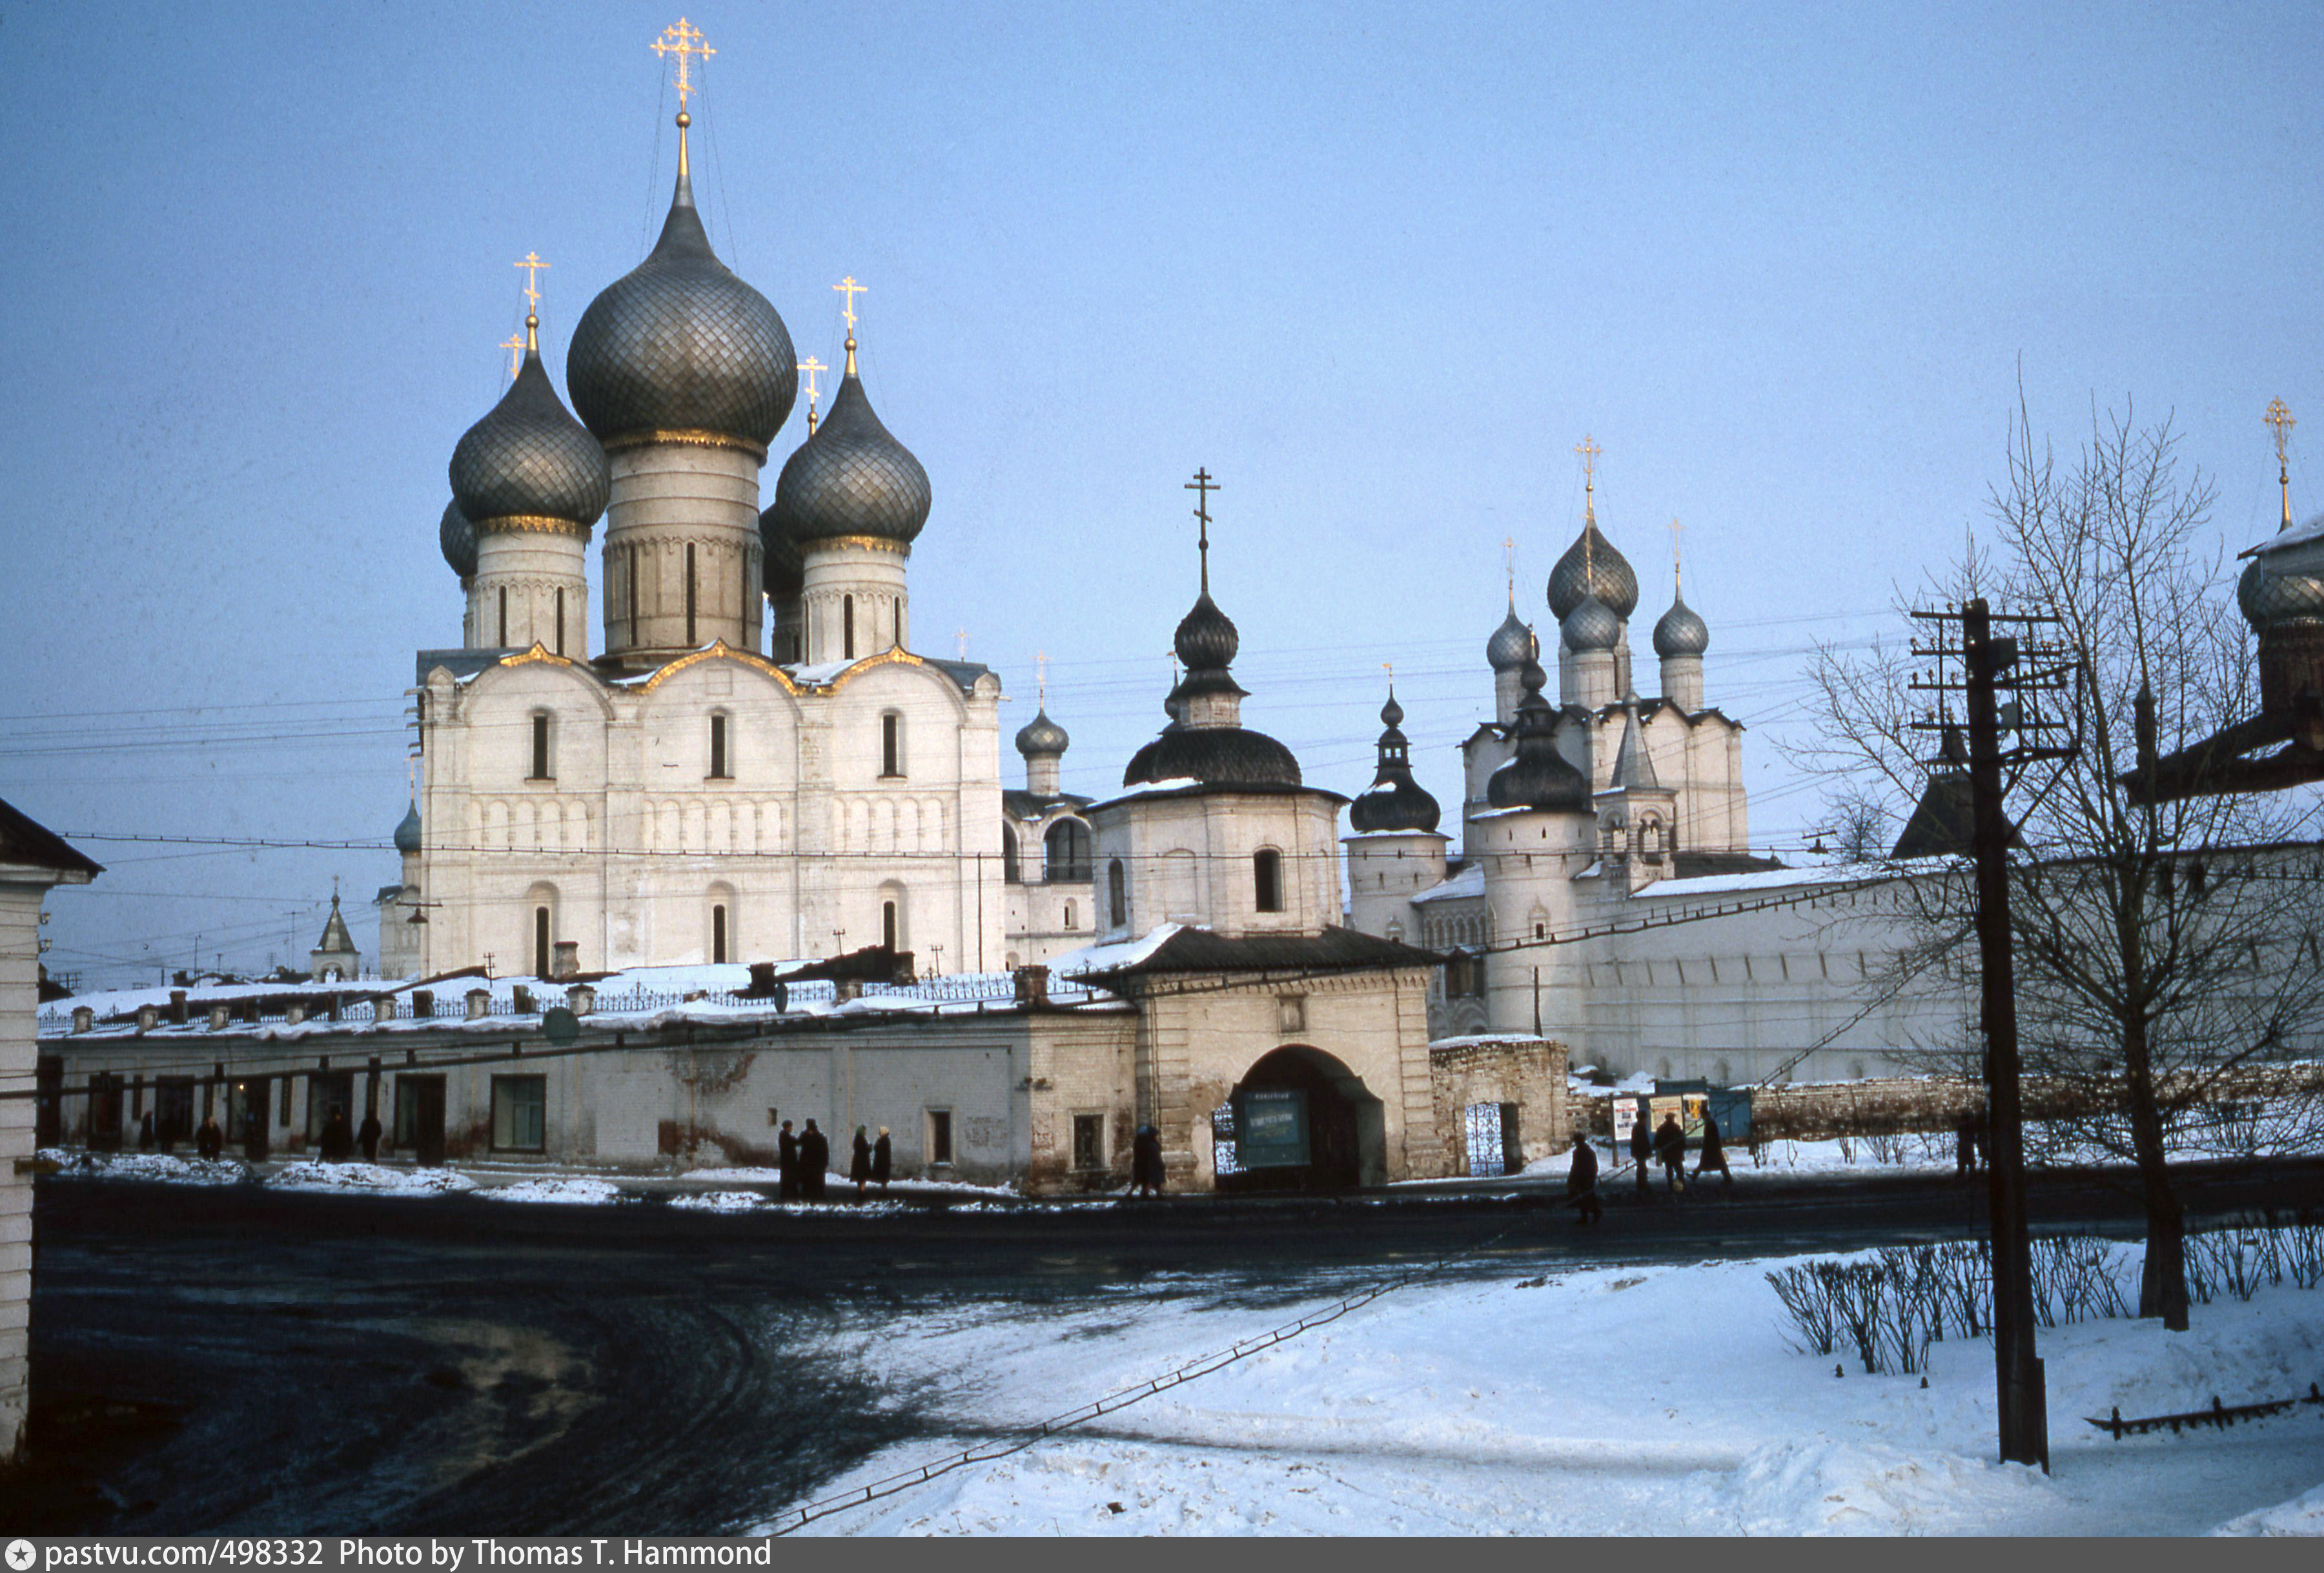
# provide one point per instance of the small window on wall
(939, 1135)
(521, 1114)
(1070, 916)
(888, 925)
(1012, 870)
(1117, 895)
(718, 935)
(847, 629)
(542, 762)
(1266, 879)
(560, 622)
(1464, 977)
(541, 957)
(718, 771)
(1089, 1141)
(891, 744)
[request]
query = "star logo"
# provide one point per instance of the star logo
(21, 1555)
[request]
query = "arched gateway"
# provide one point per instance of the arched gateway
(1304, 1121)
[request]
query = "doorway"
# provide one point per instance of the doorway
(1304, 1121)
(419, 1118)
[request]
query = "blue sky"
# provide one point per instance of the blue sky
(1379, 268)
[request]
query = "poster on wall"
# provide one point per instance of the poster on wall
(1625, 1120)
(1272, 1128)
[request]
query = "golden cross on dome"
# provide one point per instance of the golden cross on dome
(851, 289)
(811, 367)
(685, 44)
(515, 345)
(1510, 566)
(1202, 486)
(1589, 450)
(533, 265)
(1678, 529)
(1041, 683)
(2279, 421)
(961, 635)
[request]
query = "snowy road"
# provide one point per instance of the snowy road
(322, 1362)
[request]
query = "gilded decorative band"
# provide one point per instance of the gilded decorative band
(869, 543)
(685, 439)
(515, 524)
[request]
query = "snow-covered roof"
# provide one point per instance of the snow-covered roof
(1113, 955)
(1468, 882)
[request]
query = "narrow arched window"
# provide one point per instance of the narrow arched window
(1117, 895)
(891, 744)
(629, 588)
(1067, 852)
(1010, 872)
(540, 759)
(1070, 916)
(503, 640)
(888, 925)
(540, 956)
(561, 621)
(847, 627)
(718, 934)
(718, 747)
(689, 594)
(1267, 879)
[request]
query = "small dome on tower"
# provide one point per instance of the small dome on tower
(1591, 626)
(1041, 735)
(1511, 646)
(1394, 801)
(1592, 567)
(1537, 776)
(2268, 598)
(1392, 716)
(457, 539)
(851, 477)
(680, 344)
(1681, 632)
(528, 459)
(1206, 636)
(407, 833)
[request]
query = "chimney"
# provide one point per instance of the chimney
(423, 1003)
(178, 1005)
(567, 961)
(1032, 985)
(219, 1014)
(523, 1000)
(478, 999)
(580, 1000)
(295, 1014)
(83, 1018)
(148, 1017)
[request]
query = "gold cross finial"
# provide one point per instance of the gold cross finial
(2279, 421)
(1589, 450)
(685, 44)
(961, 635)
(1041, 683)
(1510, 566)
(533, 265)
(1390, 668)
(811, 367)
(515, 345)
(851, 289)
(1202, 486)
(1678, 529)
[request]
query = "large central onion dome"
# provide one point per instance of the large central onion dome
(1537, 776)
(1592, 567)
(457, 539)
(851, 478)
(1681, 632)
(1511, 646)
(1395, 801)
(680, 347)
(528, 463)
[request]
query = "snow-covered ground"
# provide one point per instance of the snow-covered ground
(1602, 1402)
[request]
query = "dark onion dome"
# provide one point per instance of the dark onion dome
(680, 345)
(529, 460)
(1607, 573)
(1511, 646)
(851, 478)
(1395, 801)
(407, 833)
(1216, 756)
(1681, 632)
(1591, 626)
(1041, 735)
(457, 537)
(1537, 776)
(782, 570)
(1206, 639)
(2269, 598)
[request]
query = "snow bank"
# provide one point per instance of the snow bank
(373, 1177)
(564, 1189)
(719, 1201)
(2303, 1515)
(159, 1166)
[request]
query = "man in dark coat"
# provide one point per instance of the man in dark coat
(1146, 1161)
(859, 1163)
(787, 1165)
(1670, 1148)
(815, 1162)
(209, 1141)
(1581, 1185)
(145, 1133)
(338, 1141)
(367, 1136)
(882, 1160)
(1642, 1145)
(1714, 1152)
(1965, 1145)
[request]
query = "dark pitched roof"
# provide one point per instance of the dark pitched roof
(24, 840)
(1703, 865)
(1335, 950)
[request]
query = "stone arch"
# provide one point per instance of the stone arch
(1304, 1121)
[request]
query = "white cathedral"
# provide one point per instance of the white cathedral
(754, 763)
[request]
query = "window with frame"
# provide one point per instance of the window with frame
(542, 762)
(718, 934)
(542, 955)
(939, 1135)
(521, 1114)
(718, 770)
(1011, 871)
(1117, 895)
(1089, 1141)
(891, 745)
(888, 925)
(1266, 879)
(1065, 852)
(847, 627)
(1464, 976)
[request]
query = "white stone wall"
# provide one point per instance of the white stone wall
(531, 587)
(668, 497)
(1188, 859)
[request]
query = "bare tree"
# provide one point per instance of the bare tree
(2169, 997)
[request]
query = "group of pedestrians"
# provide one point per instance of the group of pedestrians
(336, 1143)
(1664, 1143)
(803, 1162)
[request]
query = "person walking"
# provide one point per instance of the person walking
(814, 1163)
(786, 1188)
(1714, 1153)
(1670, 1146)
(1642, 1145)
(209, 1141)
(859, 1163)
(145, 1133)
(367, 1136)
(1146, 1161)
(1965, 1145)
(882, 1158)
(1581, 1185)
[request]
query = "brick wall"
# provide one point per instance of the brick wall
(1528, 1072)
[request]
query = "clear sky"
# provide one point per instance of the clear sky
(1377, 267)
